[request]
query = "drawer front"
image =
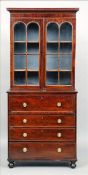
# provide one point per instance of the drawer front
(52, 103)
(42, 120)
(42, 150)
(44, 134)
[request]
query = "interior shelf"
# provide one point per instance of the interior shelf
(65, 41)
(19, 70)
(32, 42)
(32, 70)
(52, 70)
(52, 42)
(19, 42)
(64, 70)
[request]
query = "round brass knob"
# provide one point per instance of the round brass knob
(59, 120)
(59, 150)
(58, 104)
(24, 150)
(59, 134)
(24, 104)
(24, 134)
(24, 120)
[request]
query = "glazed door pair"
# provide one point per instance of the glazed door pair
(43, 53)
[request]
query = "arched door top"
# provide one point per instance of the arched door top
(66, 31)
(33, 31)
(19, 31)
(52, 31)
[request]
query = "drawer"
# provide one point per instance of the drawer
(43, 134)
(51, 103)
(42, 120)
(42, 150)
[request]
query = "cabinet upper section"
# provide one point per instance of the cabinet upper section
(43, 49)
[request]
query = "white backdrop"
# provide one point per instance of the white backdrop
(81, 84)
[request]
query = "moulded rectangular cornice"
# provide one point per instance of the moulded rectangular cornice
(21, 10)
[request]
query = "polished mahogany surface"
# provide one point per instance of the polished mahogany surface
(42, 100)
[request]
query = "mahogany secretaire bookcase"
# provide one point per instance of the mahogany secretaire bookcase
(42, 96)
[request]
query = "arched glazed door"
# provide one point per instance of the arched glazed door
(58, 54)
(26, 53)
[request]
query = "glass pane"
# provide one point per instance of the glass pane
(33, 62)
(33, 32)
(33, 48)
(66, 32)
(33, 78)
(65, 62)
(19, 61)
(19, 78)
(65, 78)
(52, 48)
(65, 48)
(52, 32)
(19, 48)
(52, 78)
(20, 32)
(51, 61)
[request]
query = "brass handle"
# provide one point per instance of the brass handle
(24, 134)
(24, 104)
(24, 120)
(24, 150)
(59, 104)
(59, 134)
(59, 150)
(59, 120)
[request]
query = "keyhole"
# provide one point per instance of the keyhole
(42, 98)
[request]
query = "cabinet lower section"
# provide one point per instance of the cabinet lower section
(42, 128)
